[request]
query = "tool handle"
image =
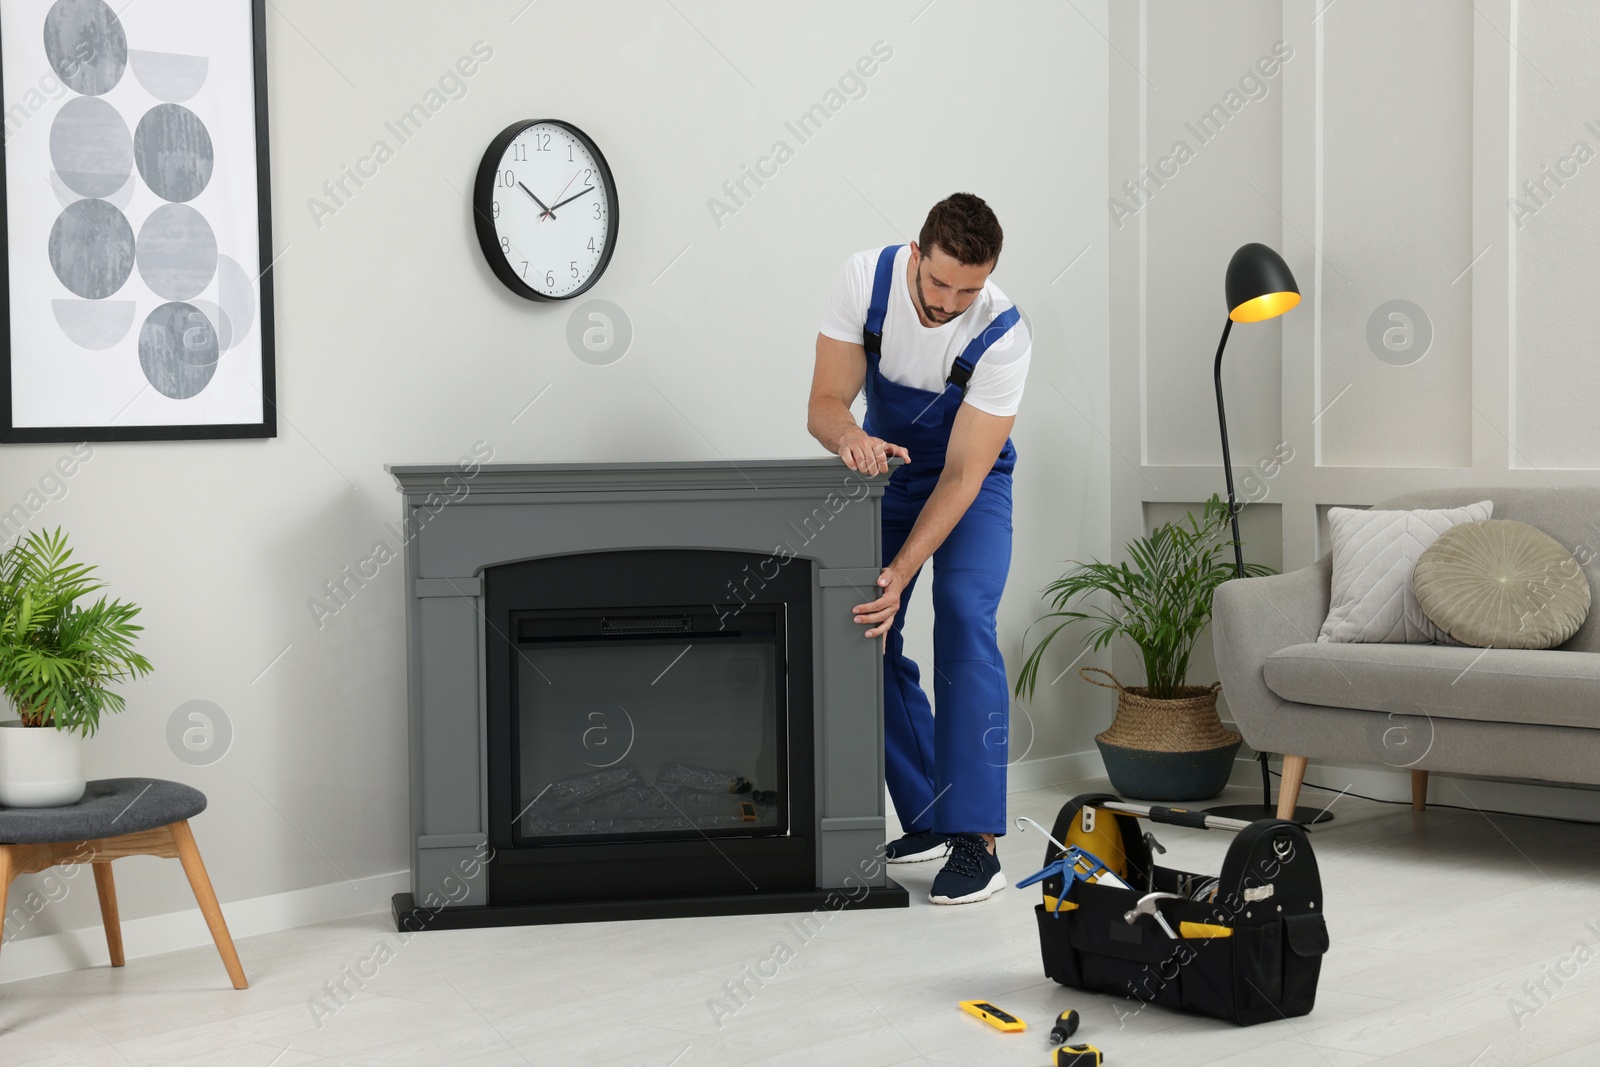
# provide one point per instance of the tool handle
(1066, 1025)
(1178, 816)
(1175, 816)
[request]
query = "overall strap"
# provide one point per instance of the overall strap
(967, 361)
(872, 332)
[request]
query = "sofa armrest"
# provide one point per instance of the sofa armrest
(1251, 619)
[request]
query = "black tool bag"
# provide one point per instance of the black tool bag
(1250, 953)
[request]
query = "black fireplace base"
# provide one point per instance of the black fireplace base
(409, 918)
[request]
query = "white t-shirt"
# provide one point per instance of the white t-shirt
(920, 356)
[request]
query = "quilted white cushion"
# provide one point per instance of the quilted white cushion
(1374, 553)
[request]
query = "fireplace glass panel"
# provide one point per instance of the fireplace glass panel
(658, 724)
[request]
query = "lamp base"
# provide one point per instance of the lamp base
(1251, 812)
(1267, 809)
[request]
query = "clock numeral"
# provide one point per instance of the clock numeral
(587, 175)
(597, 209)
(569, 154)
(541, 142)
(549, 279)
(497, 209)
(508, 179)
(591, 244)
(519, 153)
(574, 268)
(524, 268)
(505, 246)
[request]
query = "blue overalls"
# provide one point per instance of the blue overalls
(951, 779)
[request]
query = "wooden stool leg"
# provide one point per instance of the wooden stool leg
(1419, 790)
(108, 910)
(1294, 772)
(5, 884)
(200, 882)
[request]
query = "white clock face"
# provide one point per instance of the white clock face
(551, 211)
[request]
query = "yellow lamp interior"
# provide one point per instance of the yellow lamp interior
(1267, 306)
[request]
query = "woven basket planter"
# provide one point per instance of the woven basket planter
(1174, 749)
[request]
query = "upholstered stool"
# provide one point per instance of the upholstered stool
(117, 817)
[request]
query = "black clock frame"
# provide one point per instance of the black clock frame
(483, 209)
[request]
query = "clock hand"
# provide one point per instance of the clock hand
(536, 200)
(574, 196)
(564, 188)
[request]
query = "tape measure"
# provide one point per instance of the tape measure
(1078, 1056)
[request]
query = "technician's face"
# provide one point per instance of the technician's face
(946, 288)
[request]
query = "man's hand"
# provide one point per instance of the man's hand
(835, 384)
(879, 615)
(867, 454)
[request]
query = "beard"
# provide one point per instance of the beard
(940, 317)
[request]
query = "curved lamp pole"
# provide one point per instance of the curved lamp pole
(1259, 286)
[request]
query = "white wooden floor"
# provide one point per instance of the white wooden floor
(1438, 920)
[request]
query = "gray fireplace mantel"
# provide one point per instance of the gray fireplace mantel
(459, 520)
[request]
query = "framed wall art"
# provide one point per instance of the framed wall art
(135, 221)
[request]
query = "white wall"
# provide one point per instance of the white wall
(396, 344)
(1380, 164)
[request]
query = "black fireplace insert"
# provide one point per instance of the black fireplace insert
(650, 726)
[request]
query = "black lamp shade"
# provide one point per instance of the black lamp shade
(1259, 284)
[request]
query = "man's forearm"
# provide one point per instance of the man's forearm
(949, 501)
(830, 421)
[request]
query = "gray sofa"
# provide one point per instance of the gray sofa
(1515, 713)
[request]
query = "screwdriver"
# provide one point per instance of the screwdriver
(1066, 1025)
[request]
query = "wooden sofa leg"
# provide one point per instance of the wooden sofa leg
(108, 910)
(200, 882)
(5, 884)
(1294, 772)
(1419, 790)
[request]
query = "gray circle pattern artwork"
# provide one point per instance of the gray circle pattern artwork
(91, 249)
(219, 320)
(178, 350)
(86, 45)
(236, 294)
(94, 324)
(91, 245)
(173, 150)
(169, 76)
(91, 147)
(177, 252)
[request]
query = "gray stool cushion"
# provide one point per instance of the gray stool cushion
(110, 807)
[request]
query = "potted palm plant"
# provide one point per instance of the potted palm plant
(58, 659)
(1167, 741)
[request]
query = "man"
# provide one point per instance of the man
(943, 357)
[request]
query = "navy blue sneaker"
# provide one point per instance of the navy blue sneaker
(971, 874)
(917, 847)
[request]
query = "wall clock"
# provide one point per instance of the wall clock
(545, 207)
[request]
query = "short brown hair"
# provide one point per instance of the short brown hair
(965, 227)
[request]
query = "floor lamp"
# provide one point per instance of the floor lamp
(1259, 286)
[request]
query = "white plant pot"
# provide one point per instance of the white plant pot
(40, 766)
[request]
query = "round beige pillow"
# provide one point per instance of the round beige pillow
(1498, 583)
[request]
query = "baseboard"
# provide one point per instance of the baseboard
(1053, 770)
(70, 950)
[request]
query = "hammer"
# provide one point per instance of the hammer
(1147, 906)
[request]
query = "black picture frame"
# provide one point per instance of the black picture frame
(483, 210)
(267, 426)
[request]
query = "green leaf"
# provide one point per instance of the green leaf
(1163, 599)
(58, 657)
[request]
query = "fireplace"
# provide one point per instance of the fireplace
(636, 691)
